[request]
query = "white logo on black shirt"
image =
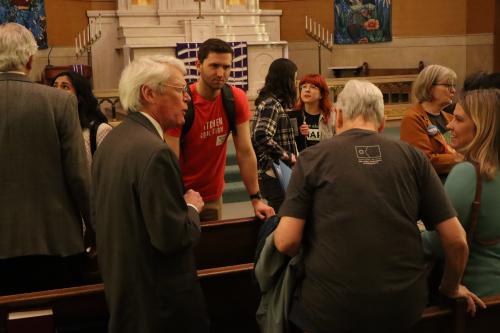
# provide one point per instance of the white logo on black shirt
(368, 155)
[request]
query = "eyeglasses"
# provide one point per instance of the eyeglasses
(180, 89)
(448, 85)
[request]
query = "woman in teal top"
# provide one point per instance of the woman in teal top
(475, 131)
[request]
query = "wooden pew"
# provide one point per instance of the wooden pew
(83, 307)
(487, 320)
(232, 298)
(231, 294)
(226, 268)
(438, 319)
(227, 242)
(222, 243)
(435, 319)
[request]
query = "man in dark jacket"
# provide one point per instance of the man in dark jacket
(44, 182)
(146, 223)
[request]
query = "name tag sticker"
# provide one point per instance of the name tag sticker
(220, 139)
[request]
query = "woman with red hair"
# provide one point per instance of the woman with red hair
(315, 121)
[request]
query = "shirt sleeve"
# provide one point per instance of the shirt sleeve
(241, 107)
(414, 132)
(461, 189)
(265, 126)
(102, 131)
(435, 207)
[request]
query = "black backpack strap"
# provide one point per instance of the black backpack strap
(228, 103)
(189, 116)
(93, 136)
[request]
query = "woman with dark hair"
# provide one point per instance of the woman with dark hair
(314, 121)
(272, 133)
(94, 124)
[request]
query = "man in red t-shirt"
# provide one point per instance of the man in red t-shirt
(202, 156)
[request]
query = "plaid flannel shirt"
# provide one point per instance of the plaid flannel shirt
(272, 133)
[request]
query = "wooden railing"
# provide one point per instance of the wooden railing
(395, 84)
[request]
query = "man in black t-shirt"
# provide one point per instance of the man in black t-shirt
(353, 203)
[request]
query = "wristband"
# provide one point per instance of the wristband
(256, 196)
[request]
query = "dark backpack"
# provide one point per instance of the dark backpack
(228, 104)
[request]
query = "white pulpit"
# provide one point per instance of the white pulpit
(142, 27)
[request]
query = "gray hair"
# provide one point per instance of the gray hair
(17, 45)
(430, 75)
(361, 99)
(151, 71)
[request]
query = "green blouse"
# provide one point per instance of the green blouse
(482, 275)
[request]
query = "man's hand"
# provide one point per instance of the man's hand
(470, 297)
(194, 198)
(262, 211)
(89, 242)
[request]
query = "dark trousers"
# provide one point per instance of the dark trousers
(272, 191)
(35, 273)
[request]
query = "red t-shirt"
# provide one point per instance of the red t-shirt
(203, 154)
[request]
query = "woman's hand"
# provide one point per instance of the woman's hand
(304, 129)
(291, 158)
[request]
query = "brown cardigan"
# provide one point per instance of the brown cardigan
(414, 131)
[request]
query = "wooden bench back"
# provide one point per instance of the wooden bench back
(227, 242)
(231, 294)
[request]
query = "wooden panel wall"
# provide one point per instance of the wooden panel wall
(480, 16)
(65, 18)
(409, 18)
(428, 17)
(294, 11)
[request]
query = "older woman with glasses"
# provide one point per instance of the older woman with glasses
(425, 123)
(475, 131)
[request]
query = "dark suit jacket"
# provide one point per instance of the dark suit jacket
(44, 178)
(145, 233)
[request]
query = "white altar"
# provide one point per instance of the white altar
(141, 27)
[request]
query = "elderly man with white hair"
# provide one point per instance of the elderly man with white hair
(44, 182)
(146, 223)
(353, 204)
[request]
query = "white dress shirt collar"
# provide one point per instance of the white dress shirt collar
(155, 124)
